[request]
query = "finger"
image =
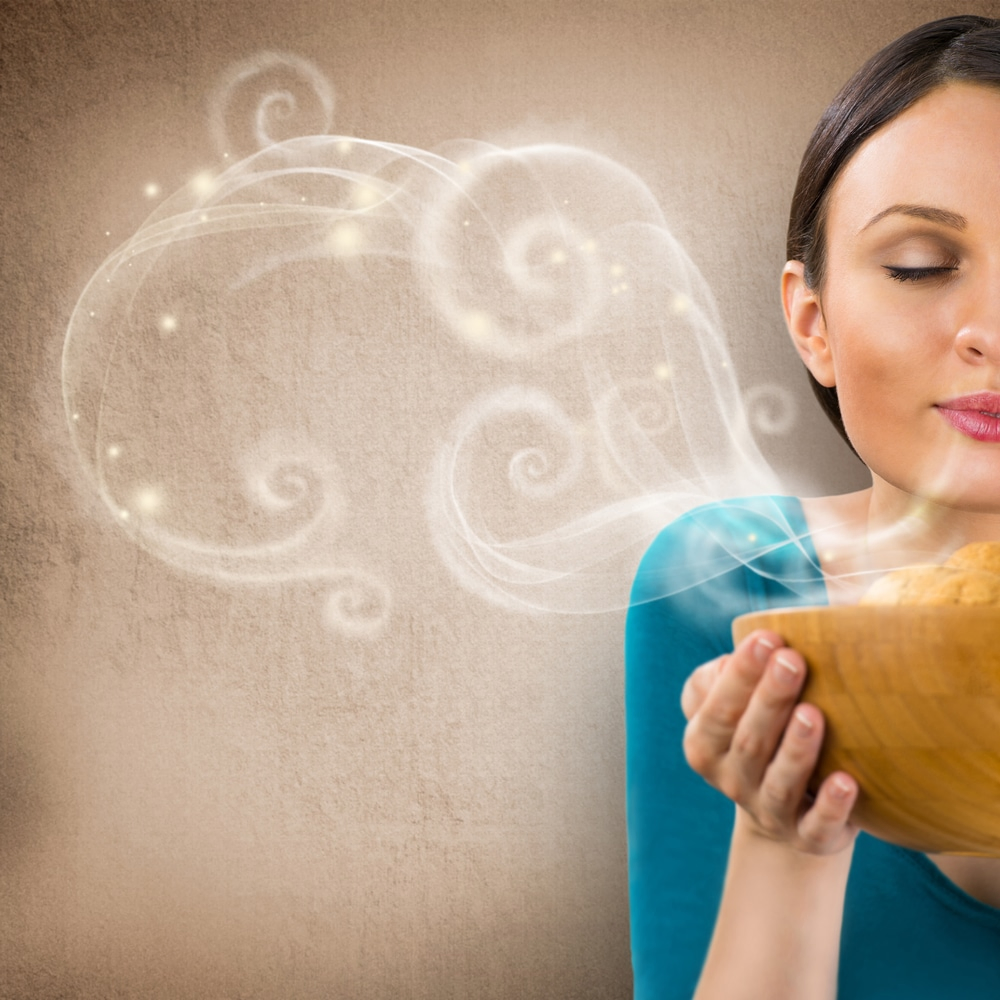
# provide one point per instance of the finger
(825, 827)
(783, 786)
(726, 702)
(760, 729)
(700, 682)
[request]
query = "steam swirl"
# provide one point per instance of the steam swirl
(242, 378)
(358, 606)
(267, 99)
(771, 409)
(510, 246)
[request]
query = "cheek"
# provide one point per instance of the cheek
(881, 354)
(869, 373)
(881, 384)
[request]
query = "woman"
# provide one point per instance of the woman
(892, 298)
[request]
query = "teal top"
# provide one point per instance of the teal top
(908, 931)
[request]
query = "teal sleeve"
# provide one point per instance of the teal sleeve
(909, 933)
(703, 570)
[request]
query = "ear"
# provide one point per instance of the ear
(806, 323)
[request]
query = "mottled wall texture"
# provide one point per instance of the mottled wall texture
(321, 483)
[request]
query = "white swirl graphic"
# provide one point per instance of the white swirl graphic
(648, 403)
(511, 249)
(632, 411)
(358, 606)
(267, 99)
(256, 379)
(771, 409)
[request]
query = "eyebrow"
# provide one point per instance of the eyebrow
(940, 215)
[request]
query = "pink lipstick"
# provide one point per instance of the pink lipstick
(976, 415)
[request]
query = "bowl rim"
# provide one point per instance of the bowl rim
(972, 625)
(879, 610)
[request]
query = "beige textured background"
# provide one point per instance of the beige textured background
(205, 793)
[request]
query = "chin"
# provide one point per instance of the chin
(960, 477)
(970, 497)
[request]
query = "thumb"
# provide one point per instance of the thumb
(698, 685)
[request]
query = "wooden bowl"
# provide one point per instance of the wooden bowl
(911, 698)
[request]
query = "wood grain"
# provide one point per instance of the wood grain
(911, 697)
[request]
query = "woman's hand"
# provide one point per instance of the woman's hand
(746, 737)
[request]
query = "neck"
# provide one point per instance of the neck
(901, 529)
(860, 536)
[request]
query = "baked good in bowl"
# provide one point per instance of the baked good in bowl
(911, 696)
(970, 578)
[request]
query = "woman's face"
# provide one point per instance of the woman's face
(907, 324)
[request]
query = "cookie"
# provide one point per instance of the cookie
(979, 555)
(968, 587)
(906, 586)
(938, 586)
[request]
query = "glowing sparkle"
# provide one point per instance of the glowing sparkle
(588, 246)
(114, 451)
(107, 232)
(617, 270)
(151, 190)
(225, 156)
(92, 313)
(123, 514)
(168, 324)
(828, 556)
(680, 304)
(751, 537)
(465, 222)
(148, 500)
(345, 240)
(465, 166)
(662, 371)
(344, 146)
(303, 198)
(558, 256)
(203, 184)
(76, 416)
(365, 195)
(203, 217)
(477, 325)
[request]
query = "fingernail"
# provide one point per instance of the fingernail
(763, 648)
(840, 788)
(803, 723)
(787, 669)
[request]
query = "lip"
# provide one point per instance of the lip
(984, 402)
(976, 415)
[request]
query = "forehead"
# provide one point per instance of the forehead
(944, 152)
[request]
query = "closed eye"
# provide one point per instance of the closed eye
(916, 273)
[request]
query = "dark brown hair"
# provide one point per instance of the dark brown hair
(952, 48)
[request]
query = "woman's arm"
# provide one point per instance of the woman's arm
(777, 933)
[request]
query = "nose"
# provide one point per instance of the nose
(978, 339)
